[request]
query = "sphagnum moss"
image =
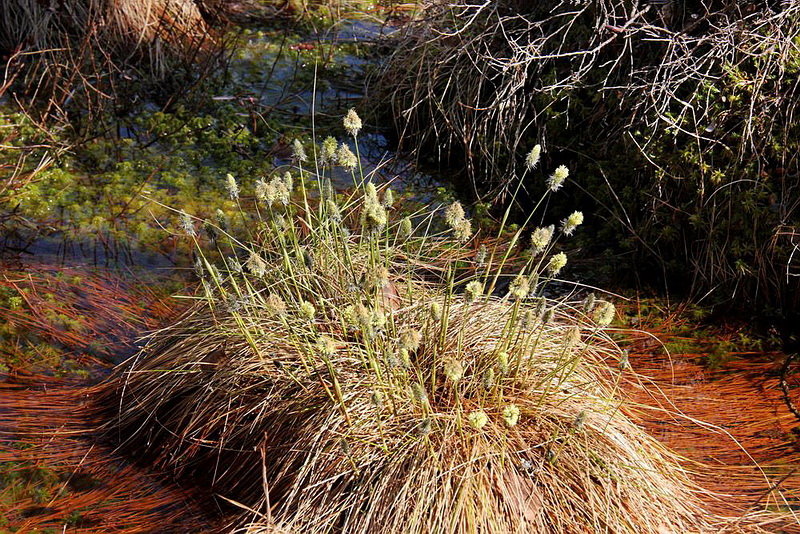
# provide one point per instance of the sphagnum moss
(363, 406)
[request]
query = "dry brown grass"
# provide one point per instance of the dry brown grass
(86, 54)
(54, 473)
(334, 418)
(205, 402)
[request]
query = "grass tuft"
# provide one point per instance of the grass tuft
(360, 376)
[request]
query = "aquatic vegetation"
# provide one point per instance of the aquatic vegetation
(68, 324)
(341, 380)
(102, 184)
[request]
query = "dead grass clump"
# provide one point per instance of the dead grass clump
(151, 28)
(324, 382)
(481, 79)
(348, 450)
(86, 52)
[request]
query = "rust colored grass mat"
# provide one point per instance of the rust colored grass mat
(731, 421)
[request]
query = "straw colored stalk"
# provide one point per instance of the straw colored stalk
(264, 415)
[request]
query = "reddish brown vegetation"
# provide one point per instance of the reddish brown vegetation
(58, 472)
(90, 486)
(732, 422)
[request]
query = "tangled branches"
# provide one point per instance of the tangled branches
(679, 113)
(487, 73)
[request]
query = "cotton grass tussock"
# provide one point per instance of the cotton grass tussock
(353, 393)
(518, 470)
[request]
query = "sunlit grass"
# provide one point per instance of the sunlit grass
(349, 367)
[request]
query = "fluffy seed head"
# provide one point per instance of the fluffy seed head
(232, 186)
(222, 220)
(604, 313)
(298, 151)
(333, 211)
(502, 362)
(453, 370)
(454, 214)
(572, 336)
(307, 310)
(275, 305)
(556, 263)
(233, 264)
(256, 265)
(261, 190)
(556, 179)
(187, 224)
(473, 290)
(377, 320)
(326, 346)
(436, 311)
(540, 238)
(418, 393)
(381, 277)
(539, 305)
(405, 228)
(510, 415)
(480, 256)
(327, 154)
(388, 198)
(275, 191)
(410, 340)
(352, 122)
(373, 217)
(519, 287)
(487, 379)
(477, 419)
(405, 357)
(533, 157)
(346, 158)
(370, 193)
(463, 231)
(377, 398)
(569, 224)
